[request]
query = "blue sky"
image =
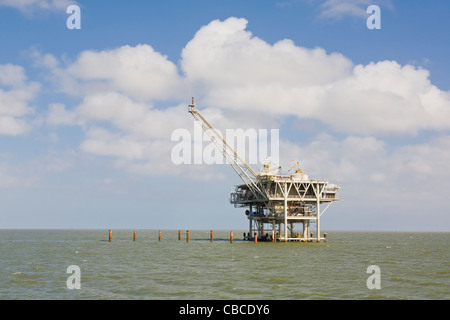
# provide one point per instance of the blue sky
(87, 114)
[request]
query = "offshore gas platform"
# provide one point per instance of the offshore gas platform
(276, 204)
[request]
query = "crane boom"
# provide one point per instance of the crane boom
(273, 200)
(242, 168)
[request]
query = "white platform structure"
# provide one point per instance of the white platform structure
(276, 204)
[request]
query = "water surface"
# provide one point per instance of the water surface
(33, 265)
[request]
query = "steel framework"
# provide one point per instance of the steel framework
(275, 203)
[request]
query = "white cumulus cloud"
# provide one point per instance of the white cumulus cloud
(16, 93)
(235, 70)
(140, 72)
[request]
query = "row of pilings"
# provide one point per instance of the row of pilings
(211, 237)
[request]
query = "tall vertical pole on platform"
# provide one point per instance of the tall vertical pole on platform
(318, 212)
(285, 211)
(250, 231)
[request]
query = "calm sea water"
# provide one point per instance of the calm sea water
(33, 265)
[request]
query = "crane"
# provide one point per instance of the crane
(242, 168)
(273, 200)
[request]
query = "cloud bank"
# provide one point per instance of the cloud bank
(226, 67)
(233, 73)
